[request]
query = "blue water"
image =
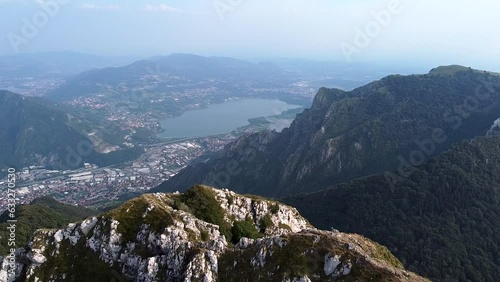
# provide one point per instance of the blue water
(221, 118)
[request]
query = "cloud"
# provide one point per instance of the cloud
(100, 7)
(161, 8)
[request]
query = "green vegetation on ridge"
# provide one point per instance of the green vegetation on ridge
(184, 254)
(45, 213)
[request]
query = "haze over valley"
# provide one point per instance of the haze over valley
(221, 140)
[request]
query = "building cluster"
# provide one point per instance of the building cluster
(91, 185)
(30, 86)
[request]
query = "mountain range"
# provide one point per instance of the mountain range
(411, 162)
(387, 125)
(176, 72)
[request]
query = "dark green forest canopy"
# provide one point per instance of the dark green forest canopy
(441, 220)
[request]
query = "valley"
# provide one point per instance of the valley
(249, 141)
(148, 120)
(94, 186)
(266, 145)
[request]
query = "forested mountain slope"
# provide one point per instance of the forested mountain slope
(441, 219)
(34, 131)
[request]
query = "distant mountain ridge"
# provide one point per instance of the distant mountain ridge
(383, 126)
(176, 71)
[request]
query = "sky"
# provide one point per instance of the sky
(392, 31)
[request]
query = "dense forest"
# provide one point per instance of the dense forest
(440, 219)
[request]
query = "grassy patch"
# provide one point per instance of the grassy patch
(242, 229)
(265, 223)
(274, 208)
(203, 204)
(179, 205)
(130, 218)
(204, 235)
(285, 226)
(382, 253)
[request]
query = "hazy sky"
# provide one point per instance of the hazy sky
(444, 31)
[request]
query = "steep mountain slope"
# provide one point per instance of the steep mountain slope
(170, 73)
(35, 132)
(187, 237)
(43, 212)
(385, 125)
(440, 219)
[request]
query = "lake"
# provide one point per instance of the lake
(223, 118)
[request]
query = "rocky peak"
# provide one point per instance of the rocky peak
(204, 234)
(325, 97)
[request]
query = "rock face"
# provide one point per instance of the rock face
(348, 135)
(203, 235)
(495, 129)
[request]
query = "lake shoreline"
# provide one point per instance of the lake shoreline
(221, 118)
